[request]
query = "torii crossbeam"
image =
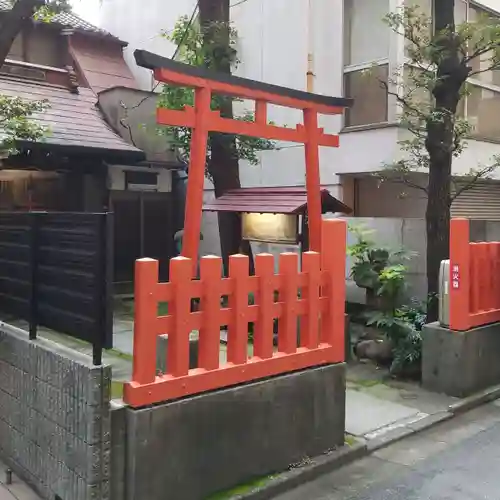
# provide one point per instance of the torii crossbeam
(204, 120)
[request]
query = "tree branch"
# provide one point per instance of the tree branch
(402, 100)
(470, 184)
(494, 67)
(402, 179)
(411, 184)
(480, 52)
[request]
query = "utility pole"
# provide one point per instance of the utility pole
(310, 48)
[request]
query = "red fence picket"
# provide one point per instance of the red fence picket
(316, 295)
(474, 284)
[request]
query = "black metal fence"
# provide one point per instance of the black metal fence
(56, 272)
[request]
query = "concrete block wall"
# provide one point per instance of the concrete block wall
(54, 417)
(393, 233)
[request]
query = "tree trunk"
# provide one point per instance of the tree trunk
(438, 226)
(13, 22)
(452, 73)
(223, 166)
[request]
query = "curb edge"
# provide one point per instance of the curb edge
(295, 477)
(477, 399)
(327, 463)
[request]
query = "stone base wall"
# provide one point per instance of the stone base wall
(460, 363)
(54, 417)
(197, 446)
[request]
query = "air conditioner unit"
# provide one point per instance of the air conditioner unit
(444, 293)
(23, 72)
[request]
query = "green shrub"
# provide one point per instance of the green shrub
(383, 273)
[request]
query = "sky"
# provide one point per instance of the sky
(87, 9)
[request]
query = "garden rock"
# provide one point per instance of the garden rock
(378, 350)
(372, 333)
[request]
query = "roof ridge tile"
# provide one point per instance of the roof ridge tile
(69, 20)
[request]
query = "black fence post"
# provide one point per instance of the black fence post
(104, 337)
(96, 353)
(34, 226)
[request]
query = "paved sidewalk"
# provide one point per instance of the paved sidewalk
(18, 490)
(377, 405)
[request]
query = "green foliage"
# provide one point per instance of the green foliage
(51, 8)
(383, 273)
(16, 123)
(377, 269)
(193, 50)
(392, 280)
(46, 9)
(403, 327)
(188, 37)
(416, 86)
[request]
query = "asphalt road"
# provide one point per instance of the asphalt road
(457, 460)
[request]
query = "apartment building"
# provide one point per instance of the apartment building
(345, 37)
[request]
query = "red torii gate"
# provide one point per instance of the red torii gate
(204, 120)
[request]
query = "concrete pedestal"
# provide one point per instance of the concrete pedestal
(460, 363)
(197, 446)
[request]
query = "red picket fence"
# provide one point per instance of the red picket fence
(320, 306)
(474, 279)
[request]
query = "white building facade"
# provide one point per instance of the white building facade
(345, 38)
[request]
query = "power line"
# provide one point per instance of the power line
(186, 29)
(191, 21)
(181, 42)
(238, 3)
(179, 45)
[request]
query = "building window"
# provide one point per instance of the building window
(427, 7)
(482, 105)
(481, 108)
(366, 47)
(43, 46)
(38, 45)
(482, 62)
(423, 7)
(32, 190)
(366, 53)
(366, 87)
(16, 49)
(366, 35)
